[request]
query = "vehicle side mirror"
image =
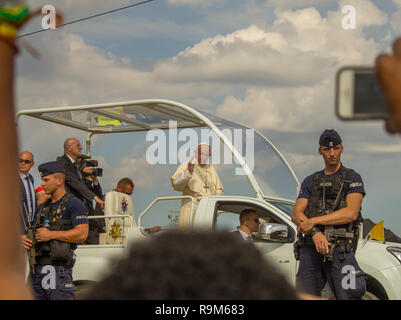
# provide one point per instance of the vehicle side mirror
(273, 231)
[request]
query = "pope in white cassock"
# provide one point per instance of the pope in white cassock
(198, 179)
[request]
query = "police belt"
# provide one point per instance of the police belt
(61, 269)
(332, 234)
(44, 261)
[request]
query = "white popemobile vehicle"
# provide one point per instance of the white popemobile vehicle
(266, 183)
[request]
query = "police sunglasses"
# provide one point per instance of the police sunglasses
(25, 161)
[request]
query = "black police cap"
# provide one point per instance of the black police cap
(329, 138)
(51, 167)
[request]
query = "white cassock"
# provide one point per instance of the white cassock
(118, 203)
(204, 181)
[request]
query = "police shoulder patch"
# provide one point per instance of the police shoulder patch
(356, 184)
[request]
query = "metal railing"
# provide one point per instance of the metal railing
(165, 198)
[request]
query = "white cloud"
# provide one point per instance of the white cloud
(81, 7)
(197, 3)
(136, 167)
(127, 29)
(395, 22)
(247, 56)
(282, 109)
(73, 10)
(304, 162)
(288, 53)
(298, 40)
(367, 14)
(397, 3)
(291, 4)
(379, 148)
(75, 73)
(304, 37)
(287, 69)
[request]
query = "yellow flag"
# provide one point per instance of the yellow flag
(377, 232)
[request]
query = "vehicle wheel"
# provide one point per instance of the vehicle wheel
(369, 296)
(374, 290)
(82, 289)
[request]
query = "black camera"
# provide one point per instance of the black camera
(84, 161)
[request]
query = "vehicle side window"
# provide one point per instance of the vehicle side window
(163, 213)
(226, 218)
(227, 221)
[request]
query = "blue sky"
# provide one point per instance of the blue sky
(269, 64)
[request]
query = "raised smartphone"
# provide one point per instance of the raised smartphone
(358, 94)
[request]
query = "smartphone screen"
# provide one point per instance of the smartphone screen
(368, 96)
(359, 95)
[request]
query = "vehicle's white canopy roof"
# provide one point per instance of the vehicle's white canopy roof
(141, 115)
(144, 115)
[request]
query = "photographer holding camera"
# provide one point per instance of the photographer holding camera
(75, 169)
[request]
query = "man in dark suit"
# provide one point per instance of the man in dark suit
(96, 226)
(249, 221)
(74, 181)
(27, 199)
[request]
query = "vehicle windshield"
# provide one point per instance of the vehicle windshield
(286, 208)
(271, 173)
(123, 118)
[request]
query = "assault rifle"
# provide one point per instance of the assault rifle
(30, 232)
(332, 235)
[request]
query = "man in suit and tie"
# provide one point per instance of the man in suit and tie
(27, 201)
(74, 182)
(249, 221)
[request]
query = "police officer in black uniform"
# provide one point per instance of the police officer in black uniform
(327, 213)
(61, 222)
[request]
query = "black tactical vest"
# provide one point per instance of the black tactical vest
(55, 252)
(328, 195)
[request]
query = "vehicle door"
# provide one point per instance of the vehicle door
(277, 247)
